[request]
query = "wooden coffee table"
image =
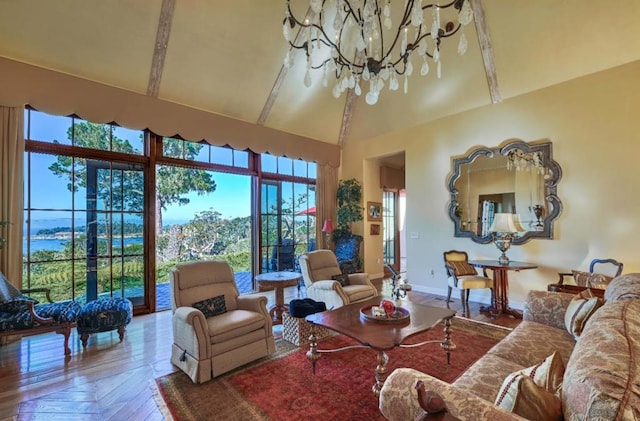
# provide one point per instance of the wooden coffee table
(377, 335)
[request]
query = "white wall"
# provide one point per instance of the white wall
(594, 125)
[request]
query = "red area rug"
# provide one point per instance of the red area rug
(283, 388)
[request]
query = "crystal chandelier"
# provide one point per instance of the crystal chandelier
(519, 160)
(360, 46)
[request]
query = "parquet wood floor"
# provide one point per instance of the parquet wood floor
(111, 379)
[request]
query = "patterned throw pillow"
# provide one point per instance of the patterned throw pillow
(522, 396)
(17, 304)
(534, 392)
(581, 307)
(343, 278)
(591, 280)
(462, 268)
(212, 306)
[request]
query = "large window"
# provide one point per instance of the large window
(111, 211)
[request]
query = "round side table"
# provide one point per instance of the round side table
(278, 281)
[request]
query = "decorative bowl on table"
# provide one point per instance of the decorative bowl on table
(378, 314)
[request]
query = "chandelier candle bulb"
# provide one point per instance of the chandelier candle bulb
(355, 37)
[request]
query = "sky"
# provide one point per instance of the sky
(231, 198)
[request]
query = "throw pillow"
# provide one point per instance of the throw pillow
(16, 304)
(7, 291)
(522, 396)
(211, 306)
(581, 307)
(462, 268)
(590, 280)
(547, 374)
(343, 278)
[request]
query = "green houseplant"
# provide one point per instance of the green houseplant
(350, 210)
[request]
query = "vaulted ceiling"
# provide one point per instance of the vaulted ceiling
(225, 57)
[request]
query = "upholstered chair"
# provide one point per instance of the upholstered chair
(601, 273)
(325, 282)
(463, 276)
(214, 328)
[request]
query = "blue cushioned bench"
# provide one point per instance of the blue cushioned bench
(103, 315)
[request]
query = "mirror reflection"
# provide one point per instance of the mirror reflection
(519, 178)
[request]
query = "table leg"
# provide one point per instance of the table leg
(280, 307)
(447, 344)
(312, 354)
(381, 372)
(500, 303)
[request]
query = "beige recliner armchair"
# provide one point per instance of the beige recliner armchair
(207, 347)
(319, 267)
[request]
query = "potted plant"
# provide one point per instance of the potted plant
(350, 210)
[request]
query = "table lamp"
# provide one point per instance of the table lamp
(327, 228)
(505, 228)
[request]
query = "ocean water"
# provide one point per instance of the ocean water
(55, 244)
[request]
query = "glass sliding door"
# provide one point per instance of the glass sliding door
(390, 225)
(287, 219)
(115, 230)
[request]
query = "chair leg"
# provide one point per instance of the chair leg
(464, 293)
(449, 296)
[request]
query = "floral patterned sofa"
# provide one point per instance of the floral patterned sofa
(602, 376)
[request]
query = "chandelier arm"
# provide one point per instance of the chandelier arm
(403, 24)
(444, 6)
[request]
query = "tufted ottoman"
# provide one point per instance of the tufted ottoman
(103, 315)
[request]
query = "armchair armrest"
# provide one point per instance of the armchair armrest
(399, 399)
(257, 303)
(359, 279)
(547, 307)
(562, 276)
(327, 285)
(46, 291)
(191, 331)
(41, 320)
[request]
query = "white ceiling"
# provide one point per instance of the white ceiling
(224, 57)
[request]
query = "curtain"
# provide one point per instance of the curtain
(326, 187)
(11, 188)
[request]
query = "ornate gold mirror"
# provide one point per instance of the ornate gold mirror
(519, 178)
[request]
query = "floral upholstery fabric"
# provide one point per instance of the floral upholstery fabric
(547, 308)
(398, 391)
(602, 379)
(104, 314)
(526, 345)
(16, 304)
(622, 287)
(602, 376)
(62, 312)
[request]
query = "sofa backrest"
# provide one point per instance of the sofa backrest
(601, 377)
(622, 287)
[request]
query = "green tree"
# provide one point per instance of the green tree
(173, 183)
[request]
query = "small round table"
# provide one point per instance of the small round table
(500, 303)
(278, 281)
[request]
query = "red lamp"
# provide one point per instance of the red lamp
(327, 228)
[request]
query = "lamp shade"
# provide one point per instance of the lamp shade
(327, 227)
(506, 222)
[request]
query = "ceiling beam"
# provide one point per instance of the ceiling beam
(487, 50)
(160, 49)
(282, 74)
(349, 105)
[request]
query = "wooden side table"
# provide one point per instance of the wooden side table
(278, 281)
(500, 304)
